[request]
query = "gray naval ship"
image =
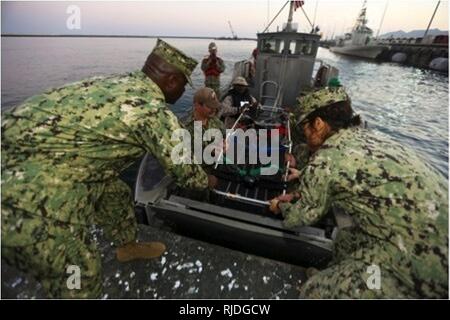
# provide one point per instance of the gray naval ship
(236, 213)
(360, 42)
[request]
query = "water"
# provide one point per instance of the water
(408, 104)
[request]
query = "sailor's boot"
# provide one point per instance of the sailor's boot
(140, 250)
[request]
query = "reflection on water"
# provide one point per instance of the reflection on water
(408, 104)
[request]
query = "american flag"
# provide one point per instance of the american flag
(298, 4)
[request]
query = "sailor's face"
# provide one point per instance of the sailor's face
(211, 112)
(315, 132)
(175, 89)
(240, 89)
(204, 111)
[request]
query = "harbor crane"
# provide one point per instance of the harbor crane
(232, 31)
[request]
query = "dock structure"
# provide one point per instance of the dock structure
(428, 53)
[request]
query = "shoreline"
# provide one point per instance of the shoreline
(114, 36)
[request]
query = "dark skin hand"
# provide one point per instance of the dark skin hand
(212, 181)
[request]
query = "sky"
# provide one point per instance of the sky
(210, 18)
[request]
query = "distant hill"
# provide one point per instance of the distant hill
(413, 34)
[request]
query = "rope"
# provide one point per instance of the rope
(276, 16)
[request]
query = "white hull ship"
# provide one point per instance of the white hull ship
(360, 42)
(369, 52)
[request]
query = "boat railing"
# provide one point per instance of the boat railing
(322, 73)
(267, 99)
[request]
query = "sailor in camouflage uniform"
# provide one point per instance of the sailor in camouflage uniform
(62, 153)
(206, 106)
(398, 202)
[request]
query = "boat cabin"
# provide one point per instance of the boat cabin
(284, 66)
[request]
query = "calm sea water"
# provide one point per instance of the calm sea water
(408, 104)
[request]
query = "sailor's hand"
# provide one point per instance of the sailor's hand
(288, 197)
(225, 145)
(291, 159)
(282, 198)
(212, 181)
(244, 108)
(274, 206)
(293, 174)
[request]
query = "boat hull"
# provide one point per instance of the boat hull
(308, 247)
(368, 52)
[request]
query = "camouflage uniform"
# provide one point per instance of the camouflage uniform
(62, 154)
(400, 206)
(213, 123)
(211, 81)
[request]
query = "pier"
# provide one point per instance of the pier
(430, 52)
(417, 52)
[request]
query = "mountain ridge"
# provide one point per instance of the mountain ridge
(413, 33)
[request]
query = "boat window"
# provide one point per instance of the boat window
(268, 46)
(304, 47)
(299, 46)
(286, 48)
(292, 48)
(279, 46)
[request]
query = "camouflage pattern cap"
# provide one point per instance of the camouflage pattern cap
(321, 98)
(176, 58)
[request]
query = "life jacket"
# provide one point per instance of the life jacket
(213, 69)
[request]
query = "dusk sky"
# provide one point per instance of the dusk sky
(210, 18)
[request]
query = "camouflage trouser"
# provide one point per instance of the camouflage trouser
(70, 244)
(351, 274)
(213, 83)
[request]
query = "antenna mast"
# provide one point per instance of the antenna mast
(382, 18)
(432, 18)
(291, 13)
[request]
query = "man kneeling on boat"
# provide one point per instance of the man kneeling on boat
(399, 246)
(202, 121)
(204, 111)
(234, 100)
(62, 154)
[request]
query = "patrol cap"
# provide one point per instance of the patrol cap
(212, 46)
(321, 98)
(208, 97)
(240, 81)
(176, 58)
